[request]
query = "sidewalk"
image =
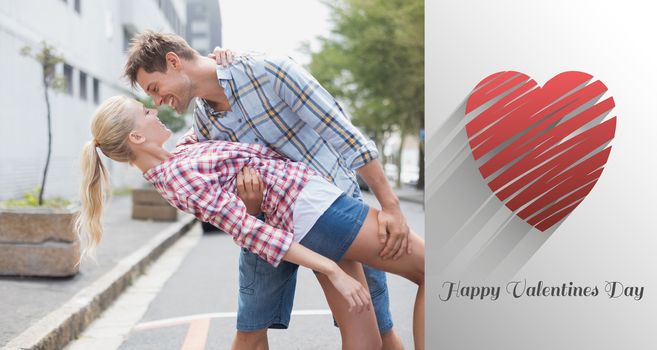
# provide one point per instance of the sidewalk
(46, 313)
(409, 193)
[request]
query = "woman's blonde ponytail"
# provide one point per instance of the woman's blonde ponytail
(93, 187)
(110, 127)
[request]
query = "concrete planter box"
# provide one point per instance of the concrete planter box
(38, 242)
(148, 204)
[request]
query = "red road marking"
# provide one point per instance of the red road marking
(197, 335)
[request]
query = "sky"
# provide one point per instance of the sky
(274, 26)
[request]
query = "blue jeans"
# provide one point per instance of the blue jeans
(267, 293)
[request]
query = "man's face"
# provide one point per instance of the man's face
(172, 87)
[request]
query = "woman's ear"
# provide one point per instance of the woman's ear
(136, 138)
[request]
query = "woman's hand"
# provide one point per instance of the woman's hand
(250, 190)
(223, 57)
(357, 296)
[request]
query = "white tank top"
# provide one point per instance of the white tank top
(312, 202)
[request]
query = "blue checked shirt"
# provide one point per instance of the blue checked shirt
(277, 103)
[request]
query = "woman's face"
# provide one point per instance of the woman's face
(148, 125)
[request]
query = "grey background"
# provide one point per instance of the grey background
(609, 237)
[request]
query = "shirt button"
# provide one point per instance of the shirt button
(241, 120)
(256, 140)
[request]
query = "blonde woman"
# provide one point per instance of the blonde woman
(309, 222)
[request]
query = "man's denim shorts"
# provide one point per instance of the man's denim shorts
(267, 293)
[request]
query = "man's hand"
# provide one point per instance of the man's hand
(250, 190)
(393, 232)
(393, 229)
(223, 57)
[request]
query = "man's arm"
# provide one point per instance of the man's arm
(319, 110)
(391, 219)
(315, 106)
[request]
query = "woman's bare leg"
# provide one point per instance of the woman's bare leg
(366, 249)
(358, 331)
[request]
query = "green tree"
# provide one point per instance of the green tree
(47, 57)
(168, 116)
(374, 61)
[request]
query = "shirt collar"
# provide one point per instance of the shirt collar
(223, 73)
(151, 174)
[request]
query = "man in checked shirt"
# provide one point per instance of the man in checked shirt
(274, 102)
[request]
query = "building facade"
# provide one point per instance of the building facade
(92, 37)
(203, 25)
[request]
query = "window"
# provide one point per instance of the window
(127, 35)
(198, 10)
(200, 27)
(96, 88)
(201, 44)
(76, 5)
(83, 85)
(68, 78)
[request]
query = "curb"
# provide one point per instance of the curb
(58, 328)
(412, 199)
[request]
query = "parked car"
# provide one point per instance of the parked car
(207, 227)
(391, 171)
(362, 184)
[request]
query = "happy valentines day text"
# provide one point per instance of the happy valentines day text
(518, 289)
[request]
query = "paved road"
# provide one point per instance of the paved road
(188, 300)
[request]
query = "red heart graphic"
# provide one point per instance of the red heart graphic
(541, 150)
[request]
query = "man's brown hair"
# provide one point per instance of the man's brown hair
(148, 50)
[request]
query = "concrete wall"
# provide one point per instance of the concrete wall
(91, 41)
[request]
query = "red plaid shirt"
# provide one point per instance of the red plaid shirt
(200, 178)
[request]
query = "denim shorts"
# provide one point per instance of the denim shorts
(337, 228)
(267, 293)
